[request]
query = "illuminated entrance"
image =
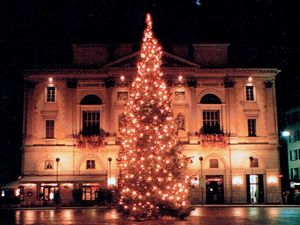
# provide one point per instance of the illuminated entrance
(90, 191)
(47, 191)
(214, 189)
(255, 189)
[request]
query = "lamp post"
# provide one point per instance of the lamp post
(57, 162)
(201, 178)
(251, 166)
(109, 169)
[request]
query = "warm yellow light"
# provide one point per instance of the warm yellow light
(250, 79)
(17, 192)
(112, 181)
(50, 79)
(272, 180)
(180, 78)
(237, 180)
(122, 78)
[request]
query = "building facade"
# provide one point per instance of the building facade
(293, 151)
(226, 120)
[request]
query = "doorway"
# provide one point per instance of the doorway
(255, 189)
(47, 192)
(214, 189)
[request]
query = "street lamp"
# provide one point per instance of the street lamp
(286, 133)
(251, 166)
(109, 169)
(57, 161)
(201, 178)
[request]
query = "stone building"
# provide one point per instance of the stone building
(293, 152)
(226, 120)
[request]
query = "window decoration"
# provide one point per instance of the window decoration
(92, 141)
(214, 140)
(49, 164)
(90, 164)
(122, 96)
(49, 128)
(179, 95)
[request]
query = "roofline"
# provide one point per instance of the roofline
(192, 72)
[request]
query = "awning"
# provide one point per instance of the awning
(70, 178)
(11, 185)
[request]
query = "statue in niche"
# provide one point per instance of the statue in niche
(48, 164)
(122, 121)
(180, 122)
(122, 96)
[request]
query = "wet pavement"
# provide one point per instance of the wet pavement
(201, 216)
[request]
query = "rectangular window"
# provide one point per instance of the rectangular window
(48, 164)
(91, 123)
(249, 93)
(213, 163)
(49, 128)
(294, 155)
(254, 163)
(295, 174)
(251, 127)
(90, 164)
(211, 122)
(50, 95)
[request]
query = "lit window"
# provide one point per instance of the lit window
(211, 122)
(254, 162)
(295, 173)
(48, 164)
(249, 93)
(294, 155)
(90, 164)
(50, 94)
(251, 127)
(49, 128)
(213, 163)
(91, 123)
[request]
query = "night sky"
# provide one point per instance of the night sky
(262, 33)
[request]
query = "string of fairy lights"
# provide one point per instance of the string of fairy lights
(152, 167)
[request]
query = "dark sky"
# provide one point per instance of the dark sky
(262, 33)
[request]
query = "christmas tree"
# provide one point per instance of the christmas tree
(152, 180)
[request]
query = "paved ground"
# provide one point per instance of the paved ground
(201, 216)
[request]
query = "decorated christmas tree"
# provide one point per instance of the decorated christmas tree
(152, 180)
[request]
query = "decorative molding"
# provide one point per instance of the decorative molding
(268, 84)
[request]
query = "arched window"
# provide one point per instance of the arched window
(211, 115)
(210, 99)
(91, 115)
(91, 100)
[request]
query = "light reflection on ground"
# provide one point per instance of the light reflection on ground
(201, 215)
